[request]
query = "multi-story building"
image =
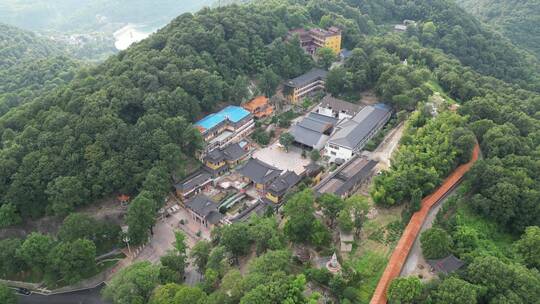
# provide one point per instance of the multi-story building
(337, 108)
(279, 187)
(220, 160)
(226, 126)
(313, 39)
(303, 85)
(259, 106)
(352, 134)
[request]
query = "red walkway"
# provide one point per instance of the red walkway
(399, 256)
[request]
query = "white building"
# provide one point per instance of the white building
(337, 108)
(352, 134)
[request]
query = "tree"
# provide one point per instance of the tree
(10, 262)
(331, 205)
(501, 281)
(81, 226)
(9, 215)
(172, 268)
(464, 141)
(236, 239)
(7, 296)
(268, 82)
(325, 57)
(234, 285)
(528, 247)
(200, 253)
(284, 290)
(345, 221)
(405, 290)
(286, 140)
(35, 251)
(216, 259)
(315, 155)
(141, 216)
(416, 200)
(180, 243)
(65, 193)
(454, 291)
(72, 261)
(337, 81)
(435, 243)
(266, 234)
(165, 294)
(190, 295)
(466, 239)
(133, 284)
(299, 212)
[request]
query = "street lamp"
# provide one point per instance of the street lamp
(125, 238)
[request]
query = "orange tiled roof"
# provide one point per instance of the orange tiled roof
(265, 113)
(123, 198)
(257, 102)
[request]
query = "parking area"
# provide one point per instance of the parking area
(276, 156)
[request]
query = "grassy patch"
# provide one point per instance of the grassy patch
(492, 240)
(435, 87)
(370, 268)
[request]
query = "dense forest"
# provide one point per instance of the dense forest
(30, 65)
(125, 125)
(517, 20)
(442, 24)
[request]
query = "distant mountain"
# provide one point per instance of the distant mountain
(92, 15)
(518, 20)
(91, 27)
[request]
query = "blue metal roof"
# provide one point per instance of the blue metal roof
(232, 113)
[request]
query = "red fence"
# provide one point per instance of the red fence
(399, 256)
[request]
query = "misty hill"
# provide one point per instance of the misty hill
(518, 20)
(92, 15)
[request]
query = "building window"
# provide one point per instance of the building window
(333, 153)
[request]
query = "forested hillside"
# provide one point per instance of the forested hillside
(102, 133)
(29, 65)
(442, 24)
(125, 125)
(517, 20)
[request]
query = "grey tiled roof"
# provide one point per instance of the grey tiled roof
(231, 152)
(339, 105)
(309, 131)
(284, 182)
(347, 176)
(309, 77)
(447, 265)
(193, 181)
(353, 131)
(259, 172)
(308, 137)
(205, 208)
(234, 152)
(258, 208)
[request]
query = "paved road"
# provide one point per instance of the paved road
(415, 256)
(91, 296)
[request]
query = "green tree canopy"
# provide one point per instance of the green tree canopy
(528, 247)
(133, 284)
(405, 290)
(435, 243)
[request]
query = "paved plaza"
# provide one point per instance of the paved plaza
(276, 156)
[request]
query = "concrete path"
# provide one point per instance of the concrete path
(416, 257)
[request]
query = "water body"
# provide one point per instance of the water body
(130, 34)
